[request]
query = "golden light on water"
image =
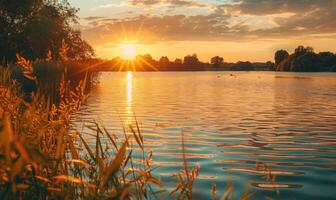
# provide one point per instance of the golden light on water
(129, 85)
(129, 91)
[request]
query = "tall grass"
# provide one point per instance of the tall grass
(43, 156)
(186, 177)
(46, 75)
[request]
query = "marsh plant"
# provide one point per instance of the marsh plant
(43, 156)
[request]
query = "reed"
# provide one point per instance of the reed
(185, 177)
(43, 155)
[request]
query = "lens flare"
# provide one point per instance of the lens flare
(129, 51)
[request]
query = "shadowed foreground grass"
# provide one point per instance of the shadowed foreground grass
(43, 156)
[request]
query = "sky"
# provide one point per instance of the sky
(234, 29)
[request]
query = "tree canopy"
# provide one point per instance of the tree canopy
(304, 59)
(32, 28)
(217, 61)
(191, 60)
(280, 55)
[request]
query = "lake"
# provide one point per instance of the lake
(230, 121)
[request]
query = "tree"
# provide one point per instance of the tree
(304, 59)
(279, 56)
(164, 63)
(333, 68)
(32, 28)
(178, 61)
(308, 62)
(243, 66)
(327, 59)
(191, 60)
(146, 61)
(146, 57)
(270, 65)
(164, 60)
(302, 49)
(217, 61)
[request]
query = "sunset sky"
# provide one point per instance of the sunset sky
(234, 29)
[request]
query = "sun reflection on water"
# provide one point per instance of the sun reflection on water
(129, 90)
(228, 127)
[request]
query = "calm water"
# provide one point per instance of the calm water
(287, 120)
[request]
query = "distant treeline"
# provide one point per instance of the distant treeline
(37, 30)
(188, 63)
(304, 59)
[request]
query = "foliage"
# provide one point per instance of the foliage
(191, 60)
(185, 178)
(304, 59)
(280, 55)
(42, 155)
(164, 63)
(33, 28)
(217, 61)
(243, 66)
(270, 66)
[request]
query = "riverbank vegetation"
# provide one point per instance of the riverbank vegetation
(44, 76)
(43, 155)
(188, 63)
(304, 59)
(46, 73)
(36, 29)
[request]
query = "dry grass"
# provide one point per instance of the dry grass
(186, 177)
(42, 155)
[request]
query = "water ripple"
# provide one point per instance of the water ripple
(285, 120)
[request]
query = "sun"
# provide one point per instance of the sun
(129, 51)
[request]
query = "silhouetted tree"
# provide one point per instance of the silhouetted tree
(279, 56)
(302, 49)
(243, 66)
(178, 61)
(164, 60)
(308, 62)
(270, 65)
(333, 68)
(191, 60)
(327, 59)
(217, 61)
(33, 27)
(163, 63)
(304, 59)
(146, 62)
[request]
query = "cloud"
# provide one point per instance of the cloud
(160, 28)
(316, 20)
(266, 7)
(93, 18)
(172, 3)
(239, 20)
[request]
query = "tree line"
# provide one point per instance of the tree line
(189, 63)
(304, 59)
(38, 29)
